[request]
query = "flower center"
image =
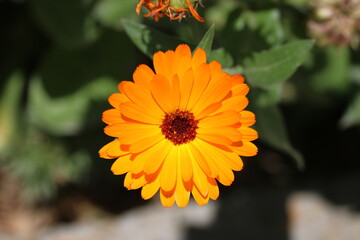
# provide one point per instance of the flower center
(179, 127)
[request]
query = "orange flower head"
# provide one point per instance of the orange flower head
(174, 9)
(179, 130)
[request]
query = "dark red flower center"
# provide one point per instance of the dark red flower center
(179, 127)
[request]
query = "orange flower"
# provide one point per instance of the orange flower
(180, 129)
(174, 9)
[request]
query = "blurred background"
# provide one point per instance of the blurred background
(61, 59)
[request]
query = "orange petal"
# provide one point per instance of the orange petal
(199, 178)
(131, 132)
(249, 134)
(181, 194)
(218, 77)
(200, 159)
(169, 171)
(162, 92)
(186, 85)
(138, 183)
(141, 158)
(213, 189)
(209, 110)
(215, 138)
(157, 159)
(185, 163)
(248, 149)
(121, 165)
(112, 116)
(199, 198)
(166, 201)
(231, 133)
(201, 80)
(198, 58)
(240, 89)
(176, 92)
(112, 150)
(143, 76)
(144, 143)
(183, 58)
(128, 180)
(226, 175)
(221, 157)
(226, 118)
(247, 118)
(150, 189)
(170, 61)
(212, 94)
(211, 161)
(236, 79)
(139, 113)
(215, 67)
(116, 99)
(164, 64)
(236, 103)
(141, 96)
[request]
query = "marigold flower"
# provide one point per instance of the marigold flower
(174, 9)
(180, 129)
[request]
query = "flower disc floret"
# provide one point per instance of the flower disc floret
(179, 127)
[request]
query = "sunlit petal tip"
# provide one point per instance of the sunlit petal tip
(183, 49)
(179, 129)
(199, 58)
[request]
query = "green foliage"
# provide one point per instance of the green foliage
(148, 39)
(276, 65)
(247, 32)
(65, 116)
(10, 104)
(333, 70)
(43, 164)
(66, 21)
(207, 40)
(221, 55)
(271, 127)
(110, 12)
(351, 116)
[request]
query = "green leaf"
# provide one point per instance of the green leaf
(10, 102)
(276, 65)
(272, 131)
(266, 97)
(218, 12)
(66, 21)
(110, 12)
(355, 74)
(332, 70)
(67, 115)
(247, 32)
(222, 56)
(234, 70)
(148, 39)
(66, 71)
(267, 23)
(60, 116)
(206, 41)
(351, 116)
